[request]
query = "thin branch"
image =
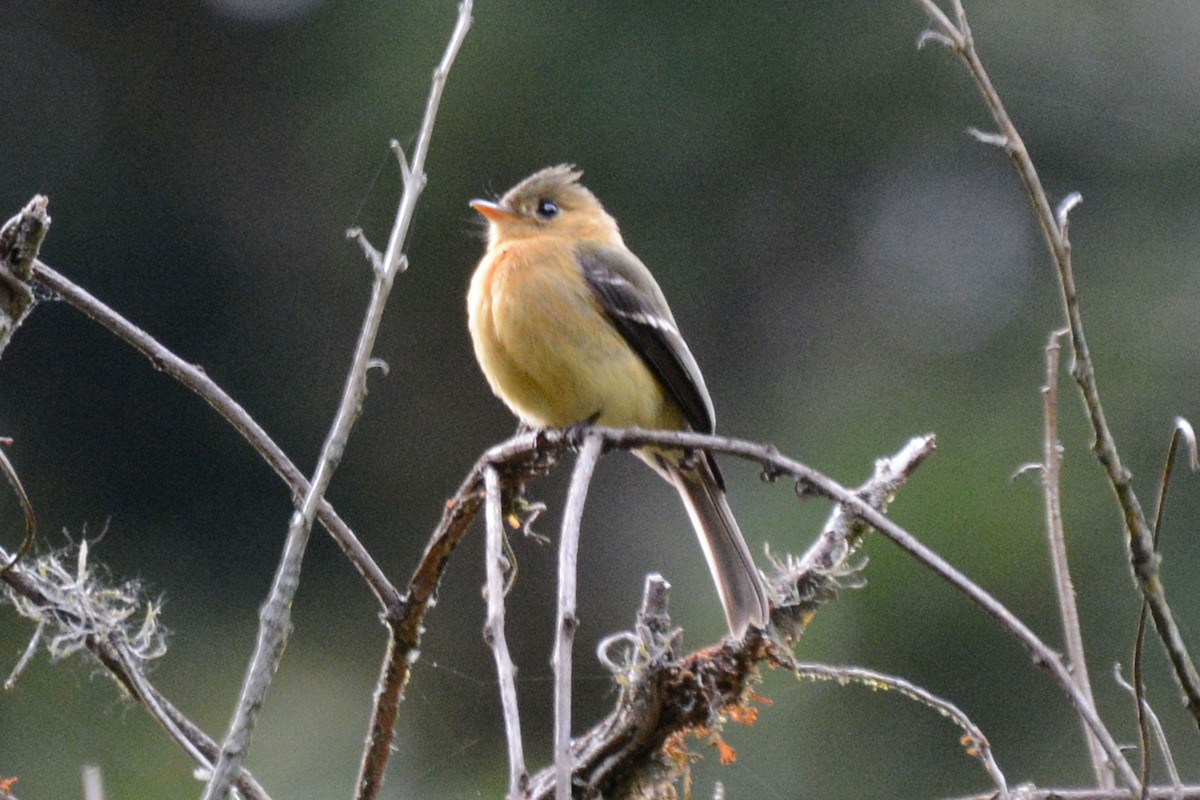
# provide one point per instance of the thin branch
(976, 743)
(843, 529)
(1143, 559)
(1034, 793)
(568, 622)
(14, 481)
(1160, 736)
(275, 616)
(1182, 432)
(518, 776)
(30, 651)
(1052, 451)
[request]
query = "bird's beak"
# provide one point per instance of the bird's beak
(493, 211)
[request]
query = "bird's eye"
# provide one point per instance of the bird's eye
(547, 209)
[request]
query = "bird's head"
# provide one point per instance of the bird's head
(550, 202)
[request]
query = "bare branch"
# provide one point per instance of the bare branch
(976, 743)
(1034, 793)
(568, 622)
(373, 256)
(14, 480)
(1052, 451)
(1143, 558)
(1160, 736)
(818, 483)
(276, 613)
(518, 776)
(30, 651)
(994, 139)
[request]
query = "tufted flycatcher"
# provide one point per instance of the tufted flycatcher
(569, 326)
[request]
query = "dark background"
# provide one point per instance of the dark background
(850, 268)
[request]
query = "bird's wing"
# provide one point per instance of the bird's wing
(629, 296)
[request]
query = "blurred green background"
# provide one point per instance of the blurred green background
(850, 268)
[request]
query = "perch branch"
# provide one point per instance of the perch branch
(528, 455)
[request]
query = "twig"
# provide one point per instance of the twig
(1034, 793)
(30, 651)
(518, 776)
(14, 480)
(568, 622)
(1182, 432)
(843, 529)
(974, 740)
(276, 613)
(1160, 736)
(1052, 451)
(1142, 556)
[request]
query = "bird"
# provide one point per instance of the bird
(570, 327)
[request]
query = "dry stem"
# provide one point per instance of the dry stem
(276, 612)
(568, 551)
(1144, 561)
(518, 776)
(1051, 469)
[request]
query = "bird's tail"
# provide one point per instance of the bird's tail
(738, 582)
